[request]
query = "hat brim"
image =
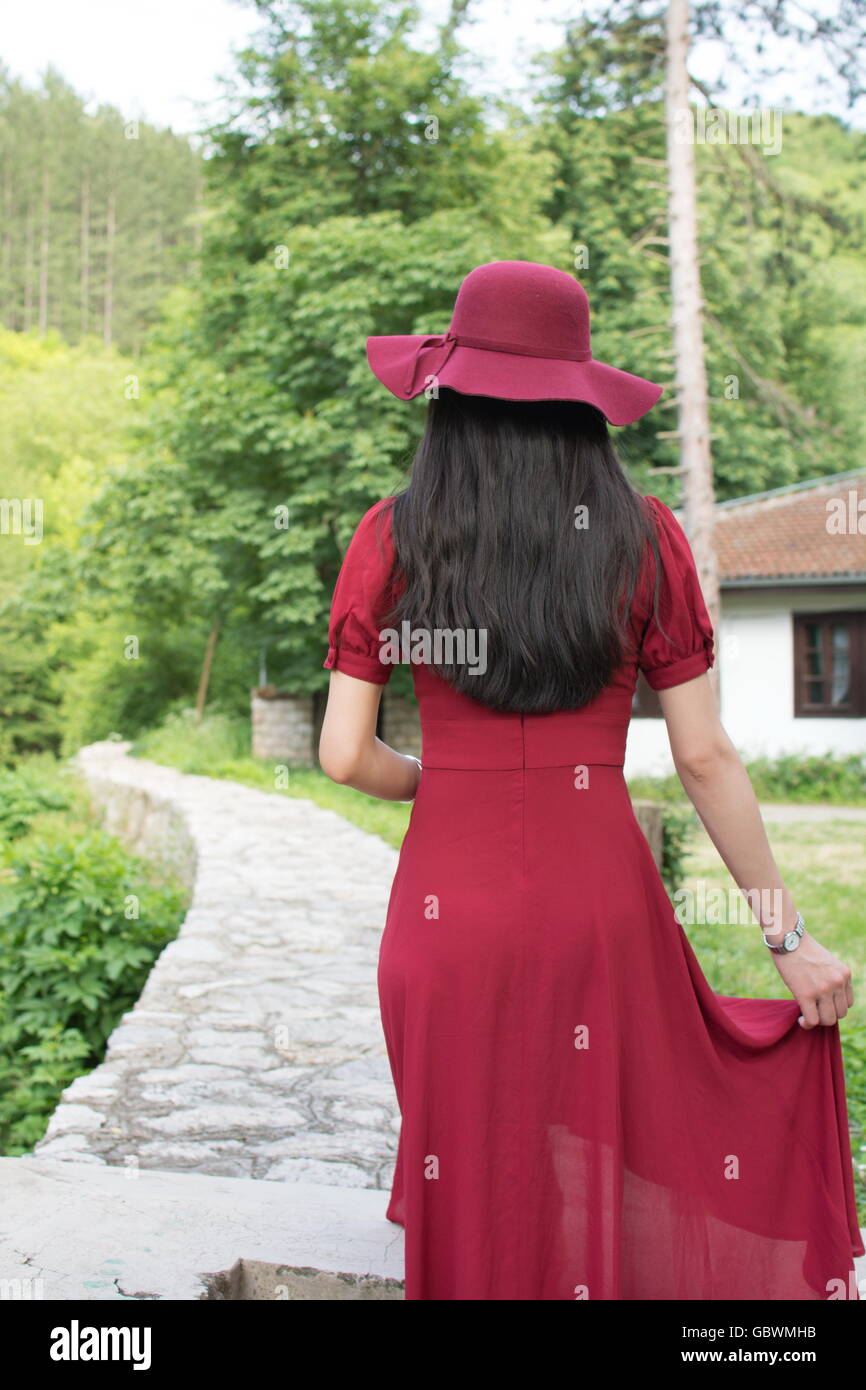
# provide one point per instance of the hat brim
(621, 397)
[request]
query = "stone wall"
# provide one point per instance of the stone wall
(649, 818)
(149, 824)
(401, 724)
(283, 727)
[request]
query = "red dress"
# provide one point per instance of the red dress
(582, 1116)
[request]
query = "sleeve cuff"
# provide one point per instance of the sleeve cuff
(678, 672)
(362, 667)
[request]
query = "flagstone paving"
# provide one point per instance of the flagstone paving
(256, 1048)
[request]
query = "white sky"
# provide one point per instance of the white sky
(160, 60)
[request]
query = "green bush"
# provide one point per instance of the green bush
(205, 747)
(35, 787)
(822, 777)
(678, 818)
(81, 922)
(677, 822)
(819, 777)
(103, 692)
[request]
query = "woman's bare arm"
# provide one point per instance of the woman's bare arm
(719, 788)
(350, 752)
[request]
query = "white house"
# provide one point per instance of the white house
(792, 646)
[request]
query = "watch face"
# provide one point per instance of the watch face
(792, 941)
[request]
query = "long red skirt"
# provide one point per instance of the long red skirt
(582, 1116)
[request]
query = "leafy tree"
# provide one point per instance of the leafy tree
(354, 184)
(335, 217)
(64, 420)
(781, 268)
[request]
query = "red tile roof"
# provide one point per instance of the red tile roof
(789, 533)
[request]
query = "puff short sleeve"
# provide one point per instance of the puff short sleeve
(677, 645)
(362, 595)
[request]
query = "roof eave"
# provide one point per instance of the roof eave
(790, 581)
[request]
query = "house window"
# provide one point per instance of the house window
(829, 665)
(645, 702)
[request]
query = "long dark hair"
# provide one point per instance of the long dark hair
(486, 537)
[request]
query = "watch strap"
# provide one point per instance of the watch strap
(782, 948)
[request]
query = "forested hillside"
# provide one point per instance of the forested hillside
(99, 215)
(200, 480)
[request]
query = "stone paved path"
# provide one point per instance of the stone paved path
(256, 1048)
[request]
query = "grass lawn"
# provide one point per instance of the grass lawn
(218, 748)
(823, 863)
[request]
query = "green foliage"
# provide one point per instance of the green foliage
(81, 922)
(205, 748)
(32, 1077)
(354, 185)
(64, 421)
(110, 686)
(30, 718)
(836, 780)
(64, 415)
(781, 238)
(220, 747)
(36, 787)
(677, 824)
(97, 212)
(334, 217)
(338, 122)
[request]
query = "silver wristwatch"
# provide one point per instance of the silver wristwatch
(791, 940)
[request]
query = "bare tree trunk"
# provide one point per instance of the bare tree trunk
(159, 250)
(197, 228)
(108, 300)
(84, 278)
(207, 663)
(28, 268)
(693, 418)
(9, 304)
(43, 251)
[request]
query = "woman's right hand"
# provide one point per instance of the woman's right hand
(818, 980)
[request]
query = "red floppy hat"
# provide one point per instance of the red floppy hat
(520, 332)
